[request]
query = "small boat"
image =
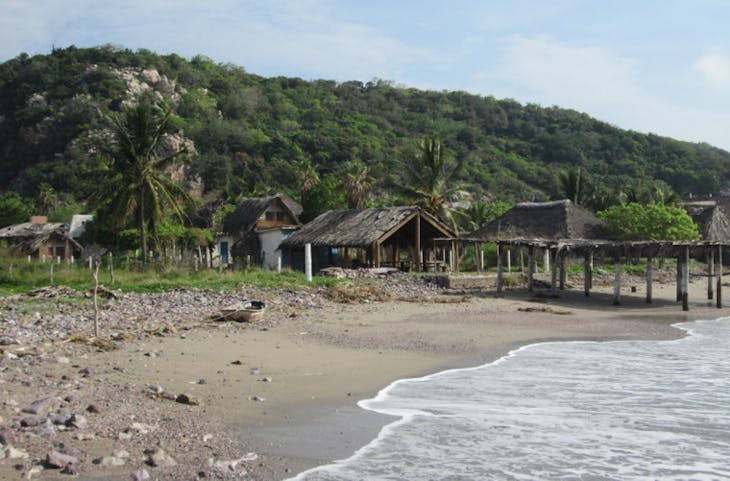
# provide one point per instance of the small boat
(246, 311)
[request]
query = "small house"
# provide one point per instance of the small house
(41, 239)
(251, 234)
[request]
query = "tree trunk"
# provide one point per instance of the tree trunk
(142, 227)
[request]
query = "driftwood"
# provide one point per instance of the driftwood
(548, 310)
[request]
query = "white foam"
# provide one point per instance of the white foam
(628, 410)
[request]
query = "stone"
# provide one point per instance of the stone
(85, 436)
(63, 360)
(110, 461)
(7, 437)
(43, 406)
(77, 421)
(141, 428)
(158, 457)
(86, 372)
(29, 422)
(93, 408)
(187, 399)
(257, 398)
(57, 460)
(71, 469)
(232, 466)
(14, 453)
(141, 475)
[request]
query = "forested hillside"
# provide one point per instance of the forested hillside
(255, 135)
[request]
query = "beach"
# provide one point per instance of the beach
(286, 389)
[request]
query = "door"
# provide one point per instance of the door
(223, 248)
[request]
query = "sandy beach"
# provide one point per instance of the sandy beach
(287, 389)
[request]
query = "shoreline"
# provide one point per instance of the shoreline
(287, 389)
(649, 323)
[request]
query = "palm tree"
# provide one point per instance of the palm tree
(306, 175)
(134, 181)
(356, 184)
(430, 180)
(47, 198)
(572, 185)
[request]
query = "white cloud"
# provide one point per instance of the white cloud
(715, 68)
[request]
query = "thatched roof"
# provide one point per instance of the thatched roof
(244, 218)
(710, 218)
(544, 220)
(361, 227)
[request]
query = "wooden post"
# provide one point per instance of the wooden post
(477, 258)
(278, 262)
(718, 276)
(561, 259)
(649, 279)
(554, 273)
(546, 260)
(418, 242)
(481, 257)
(679, 278)
(530, 268)
(710, 272)
(685, 280)
(586, 276)
(617, 283)
(509, 261)
(500, 280)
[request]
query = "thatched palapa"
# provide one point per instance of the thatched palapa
(710, 219)
(560, 219)
(382, 232)
(40, 238)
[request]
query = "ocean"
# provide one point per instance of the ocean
(588, 411)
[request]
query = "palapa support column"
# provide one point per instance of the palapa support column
(509, 261)
(546, 260)
(685, 280)
(376, 254)
(561, 258)
(500, 274)
(590, 270)
(531, 268)
(710, 272)
(679, 278)
(554, 273)
(649, 279)
(418, 242)
(478, 259)
(586, 276)
(617, 283)
(718, 277)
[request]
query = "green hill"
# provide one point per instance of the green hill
(252, 134)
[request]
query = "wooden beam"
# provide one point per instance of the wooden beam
(649, 279)
(718, 276)
(679, 279)
(376, 253)
(586, 276)
(418, 242)
(685, 279)
(617, 283)
(500, 274)
(554, 272)
(561, 258)
(509, 261)
(710, 255)
(530, 268)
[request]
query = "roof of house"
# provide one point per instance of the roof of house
(30, 236)
(360, 227)
(544, 220)
(248, 211)
(710, 218)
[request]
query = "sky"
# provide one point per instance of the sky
(646, 65)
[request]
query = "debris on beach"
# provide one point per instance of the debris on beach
(547, 309)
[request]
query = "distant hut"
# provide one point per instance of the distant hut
(41, 239)
(395, 237)
(710, 218)
(555, 220)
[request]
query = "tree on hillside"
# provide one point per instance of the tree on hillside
(134, 182)
(356, 184)
(14, 209)
(429, 179)
(635, 221)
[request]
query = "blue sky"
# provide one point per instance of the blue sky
(646, 65)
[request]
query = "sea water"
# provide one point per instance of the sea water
(628, 410)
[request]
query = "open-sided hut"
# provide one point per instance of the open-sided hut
(396, 236)
(560, 219)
